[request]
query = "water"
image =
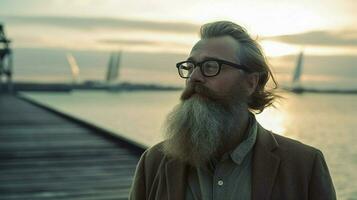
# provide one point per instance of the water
(324, 121)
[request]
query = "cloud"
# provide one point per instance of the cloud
(89, 23)
(142, 42)
(320, 38)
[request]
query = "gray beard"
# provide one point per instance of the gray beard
(197, 127)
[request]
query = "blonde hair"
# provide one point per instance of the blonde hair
(250, 55)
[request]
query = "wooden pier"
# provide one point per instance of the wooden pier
(48, 155)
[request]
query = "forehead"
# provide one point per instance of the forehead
(224, 47)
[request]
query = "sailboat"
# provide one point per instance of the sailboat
(296, 83)
(74, 68)
(296, 86)
(111, 76)
(113, 67)
(110, 81)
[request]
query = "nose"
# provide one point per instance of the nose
(196, 76)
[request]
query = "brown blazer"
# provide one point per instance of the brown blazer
(282, 168)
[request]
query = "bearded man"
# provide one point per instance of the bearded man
(214, 147)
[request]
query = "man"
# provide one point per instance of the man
(214, 147)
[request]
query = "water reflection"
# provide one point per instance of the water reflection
(324, 121)
(274, 119)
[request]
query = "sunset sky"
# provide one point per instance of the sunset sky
(322, 29)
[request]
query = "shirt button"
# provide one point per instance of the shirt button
(220, 182)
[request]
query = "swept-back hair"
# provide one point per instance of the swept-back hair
(249, 54)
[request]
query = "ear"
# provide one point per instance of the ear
(252, 80)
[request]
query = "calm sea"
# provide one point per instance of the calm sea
(325, 121)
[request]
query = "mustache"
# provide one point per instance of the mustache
(203, 91)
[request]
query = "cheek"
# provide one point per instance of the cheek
(230, 83)
(237, 88)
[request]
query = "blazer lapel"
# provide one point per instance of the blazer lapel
(265, 165)
(176, 173)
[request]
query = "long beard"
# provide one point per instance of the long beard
(196, 128)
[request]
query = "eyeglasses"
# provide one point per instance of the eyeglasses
(209, 68)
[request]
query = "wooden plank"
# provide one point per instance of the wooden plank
(65, 153)
(54, 169)
(76, 194)
(47, 156)
(46, 129)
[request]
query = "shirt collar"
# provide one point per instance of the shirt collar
(242, 150)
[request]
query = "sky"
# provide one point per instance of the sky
(159, 29)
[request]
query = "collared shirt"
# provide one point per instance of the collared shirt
(228, 178)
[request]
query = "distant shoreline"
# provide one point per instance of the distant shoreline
(127, 86)
(89, 85)
(301, 90)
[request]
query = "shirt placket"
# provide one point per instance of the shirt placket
(220, 181)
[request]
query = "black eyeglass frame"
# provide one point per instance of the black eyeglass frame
(220, 63)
